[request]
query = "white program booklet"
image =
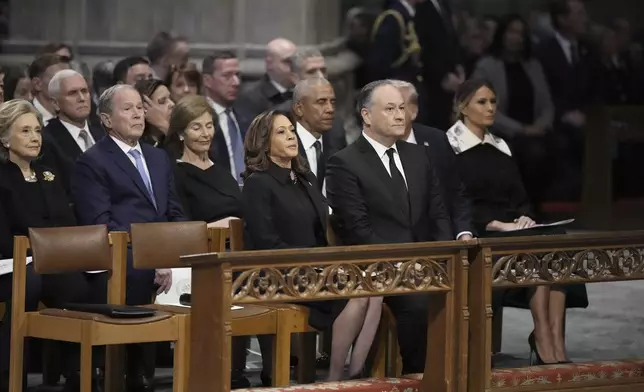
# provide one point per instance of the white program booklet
(6, 265)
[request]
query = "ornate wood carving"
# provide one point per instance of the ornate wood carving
(577, 266)
(338, 280)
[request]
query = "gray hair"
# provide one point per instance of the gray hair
(296, 61)
(301, 89)
(106, 100)
(54, 84)
(10, 111)
(413, 93)
(365, 96)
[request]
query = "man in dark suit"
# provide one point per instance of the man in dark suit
(274, 87)
(120, 181)
(383, 190)
(567, 65)
(314, 111)
(70, 133)
(41, 70)
(443, 68)
(443, 159)
(221, 78)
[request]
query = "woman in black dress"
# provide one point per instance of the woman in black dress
(158, 106)
(208, 192)
(285, 209)
(500, 207)
(32, 195)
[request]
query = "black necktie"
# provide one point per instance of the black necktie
(318, 161)
(574, 53)
(399, 185)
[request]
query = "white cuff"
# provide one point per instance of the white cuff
(462, 233)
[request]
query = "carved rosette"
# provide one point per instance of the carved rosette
(585, 265)
(340, 280)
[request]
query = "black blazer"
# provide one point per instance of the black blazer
(261, 96)
(207, 195)
(365, 211)
(272, 222)
(443, 159)
(218, 149)
(333, 141)
(25, 208)
(570, 86)
(55, 132)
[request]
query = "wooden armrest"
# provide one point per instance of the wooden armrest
(102, 318)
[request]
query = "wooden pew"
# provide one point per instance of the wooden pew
(320, 274)
(546, 260)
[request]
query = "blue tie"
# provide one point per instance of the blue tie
(140, 166)
(237, 145)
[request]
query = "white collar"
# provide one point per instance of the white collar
(412, 137)
(126, 147)
(281, 89)
(462, 139)
(218, 108)
(46, 116)
(381, 150)
(306, 137)
(563, 41)
(73, 129)
(408, 7)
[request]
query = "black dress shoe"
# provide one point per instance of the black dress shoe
(72, 381)
(238, 381)
(139, 383)
(267, 381)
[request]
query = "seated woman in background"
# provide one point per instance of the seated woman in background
(285, 209)
(208, 192)
(183, 82)
(500, 207)
(17, 84)
(525, 109)
(158, 106)
(34, 196)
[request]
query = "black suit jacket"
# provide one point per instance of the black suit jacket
(272, 222)
(570, 86)
(364, 207)
(261, 96)
(444, 161)
(332, 141)
(16, 197)
(56, 133)
(218, 149)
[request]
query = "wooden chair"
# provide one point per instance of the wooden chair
(85, 248)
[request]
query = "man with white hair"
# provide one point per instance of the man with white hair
(120, 181)
(274, 88)
(71, 131)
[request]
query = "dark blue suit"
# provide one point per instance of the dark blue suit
(107, 189)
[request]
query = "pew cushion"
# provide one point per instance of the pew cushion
(364, 385)
(566, 375)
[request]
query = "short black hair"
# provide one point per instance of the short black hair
(558, 8)
(208, 65)
(12, 76)
(159, 46)
(498, 42)
(44, 61)
(121, 68)
(54, 47)
(363, 100)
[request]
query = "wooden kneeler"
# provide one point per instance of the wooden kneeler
(87, 248)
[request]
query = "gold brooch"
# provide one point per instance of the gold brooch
(48, 176)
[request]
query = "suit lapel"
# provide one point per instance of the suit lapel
(317, 199)
(413, 175)
(97, 132)
(64, 139)
(123, 162)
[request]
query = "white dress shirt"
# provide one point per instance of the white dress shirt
(381, 150)
(411, 138)
(281, 89)
(308, 142)
(75, 132)
(223, 123)
(409, 7)
(46, 116)
(126, 150)
(566, 46)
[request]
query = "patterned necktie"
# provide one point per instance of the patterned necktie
(140, 167)
(87, 141)
(236, 145)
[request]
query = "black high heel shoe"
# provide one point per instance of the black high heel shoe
(535, 358)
